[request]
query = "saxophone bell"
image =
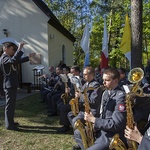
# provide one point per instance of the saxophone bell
(135, 76)
(80, 126)
(116, 143)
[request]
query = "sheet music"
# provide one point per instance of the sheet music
(35, 59)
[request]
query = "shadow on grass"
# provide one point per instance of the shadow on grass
(41, 129)
(31, 110)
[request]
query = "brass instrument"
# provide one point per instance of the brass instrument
(116, 143)
(135, 76)
(90, 132)
(74, 106)
(74, 102)
(80, 126)
(132, 145)
(87, 133)
(65, 96)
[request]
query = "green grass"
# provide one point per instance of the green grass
(37, 131)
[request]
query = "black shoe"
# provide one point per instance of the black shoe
(16, 123)
(13, 128)
(63, 129)
(52, 114)
(76, 147)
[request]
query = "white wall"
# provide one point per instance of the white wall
(23, 17)
(55, 47)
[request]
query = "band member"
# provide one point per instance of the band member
(94, 97)
(65, 108)
(112, 115)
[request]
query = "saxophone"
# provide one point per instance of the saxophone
(80, 126)
(134, 76)
(74, 102)
(65, 96)
(74, 106)
(87, 133)
(132, 145)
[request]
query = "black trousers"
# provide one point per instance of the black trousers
(64, 109)
(10, 106)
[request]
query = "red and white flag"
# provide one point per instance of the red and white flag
(104, 54)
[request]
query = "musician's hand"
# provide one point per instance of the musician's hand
(134, 134)
(67, 90)
(89, 117)
(77, 94)
(20, 46)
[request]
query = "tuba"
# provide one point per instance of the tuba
(87, 132)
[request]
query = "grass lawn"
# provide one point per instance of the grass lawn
(37, 131)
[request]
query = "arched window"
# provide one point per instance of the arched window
(64, 54)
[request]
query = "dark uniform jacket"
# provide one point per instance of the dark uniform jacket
(94, 99)
(9, 68)
(141, 109)
(112, 119)
(145, 143)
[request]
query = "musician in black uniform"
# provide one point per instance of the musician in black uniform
(47, 83)
(112, 117)
(123, 78)
(56, 98)
(8, 63)
(55, 93)
(94, 99)
(65, 108)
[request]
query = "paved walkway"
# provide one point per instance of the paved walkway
(20, 95)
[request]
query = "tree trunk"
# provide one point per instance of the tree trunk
(136, 29)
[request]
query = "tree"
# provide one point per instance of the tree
(73, 15)
(136, 33)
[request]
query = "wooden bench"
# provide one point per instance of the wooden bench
(26, 84)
